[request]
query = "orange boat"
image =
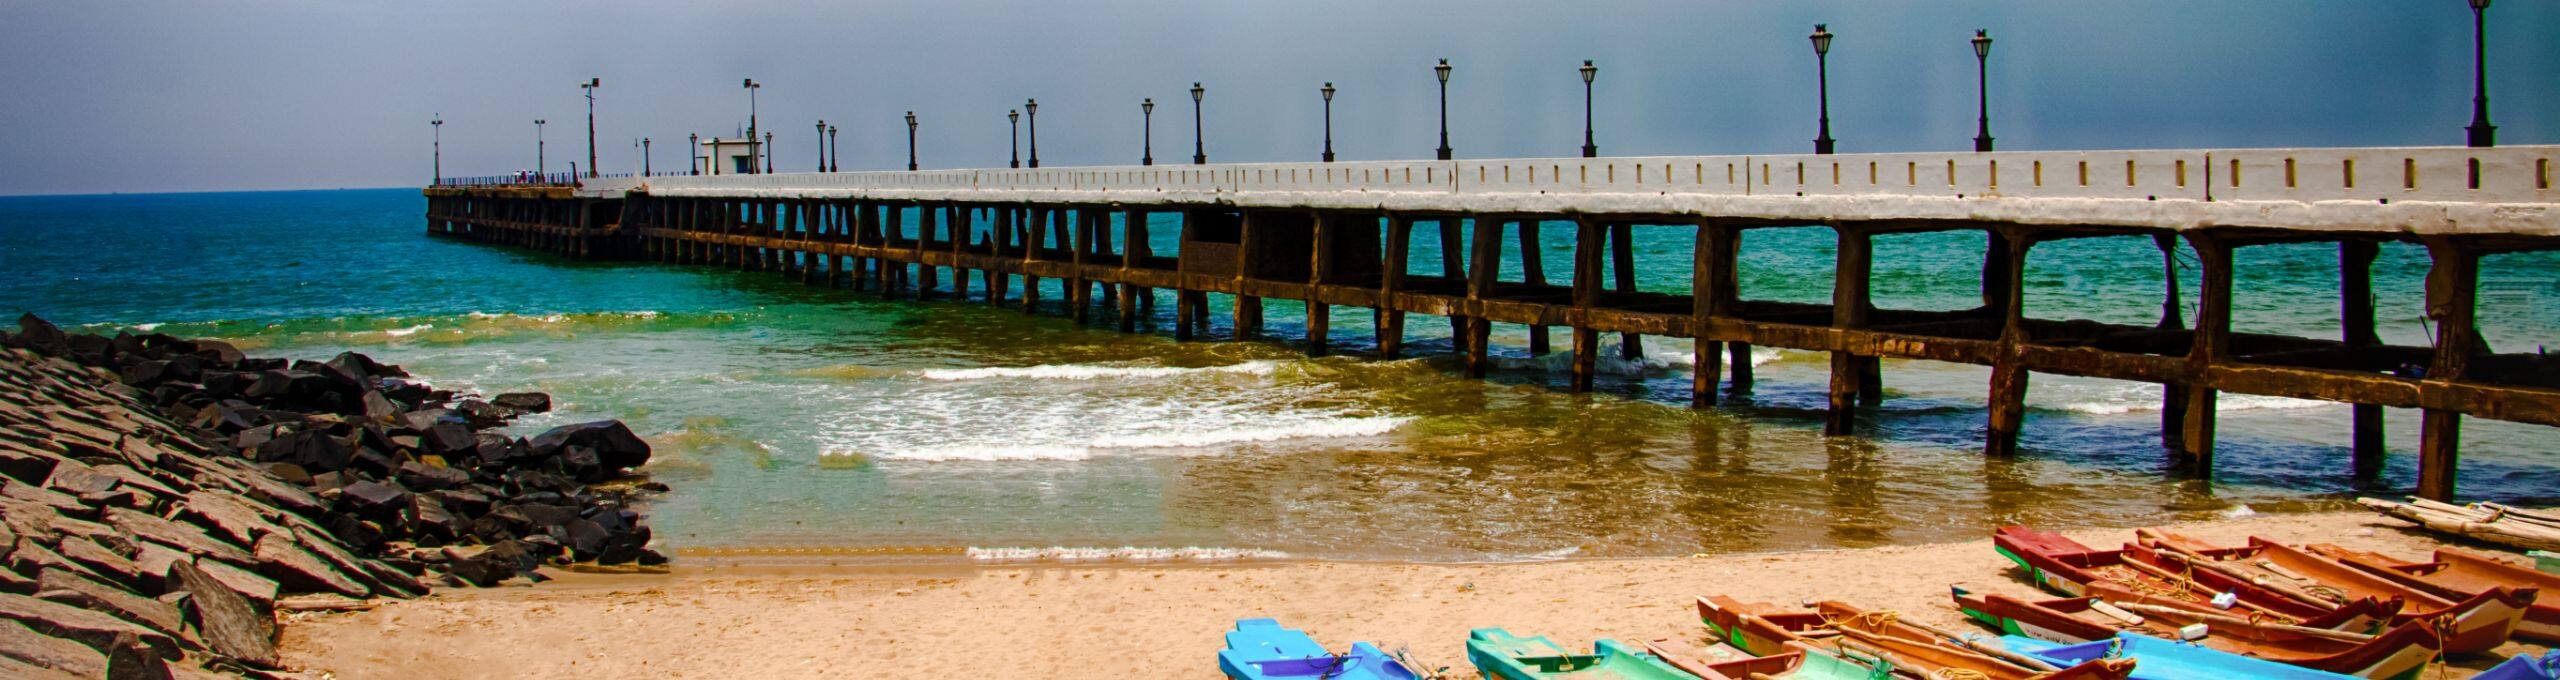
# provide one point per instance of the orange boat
(2067, 567)
(2461, 574)
(2473, 625)
(2397, 653)
(1845, 630)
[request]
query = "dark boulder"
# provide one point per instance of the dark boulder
(225, 618)
(40, 335)
(613, 442)
(524, 402)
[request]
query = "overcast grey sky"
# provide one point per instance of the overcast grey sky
(189, 95)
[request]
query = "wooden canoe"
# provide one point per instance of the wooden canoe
(2478, 623)
(1843, 630)
(2400, 652)
(2507, 528)
(2462, 574)
(2068, 568)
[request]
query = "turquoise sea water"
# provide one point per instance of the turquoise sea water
(786, 415)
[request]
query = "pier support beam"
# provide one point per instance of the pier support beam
(2356, 327)
(2008, 374)
(1320, 254)
(2173, 396)
(1453, 268)
(1484, 252)
(1587, 244)
(1390, 318)
(2212, 347)
(1622, 255)
(2452, 303)
(1711, 296)
(1133, 252)
(1533, 275)
(1849, 311)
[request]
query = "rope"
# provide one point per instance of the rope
(2440, 625)
(1953, 673)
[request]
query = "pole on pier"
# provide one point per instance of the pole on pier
(2452, 297)
(2356, 324)
(1034, 238)
(1454, 269)
(2008, 374)
(590, 86)
(1710, 295)
(1133, 253)
(1248, 308)
(2212, 347)
(2173, 395)
(1849, 311)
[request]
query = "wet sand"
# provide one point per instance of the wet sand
(729, 621)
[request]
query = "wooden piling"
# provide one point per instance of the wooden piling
(2356, 327)
(1533, 276)
(1390, 318)
(2452, 303)
(2212, 347)
(2008, 407)
(1849, 311)
(1622, 253)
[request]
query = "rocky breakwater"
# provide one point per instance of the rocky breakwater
(163, 499)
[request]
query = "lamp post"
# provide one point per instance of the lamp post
(1147, 134)
(1443, 71)
(1013, 121)
(1031, 107)
(835, 152)
(1822, 74)
(1328, 122)
(768, 153)
(1589, 72)
(693, 159)
(752, 86)
(438, 124)
(538, 167)
(2482, 133)
(911, 142)
(1199, 142)
(1982, 88)
(590, 86)
(822, 146)
(645, 158)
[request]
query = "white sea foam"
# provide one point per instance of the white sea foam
(1130, 554)
(405, 332)
(1091, 372)
(994, 452)
(2146, 398)
(1328, 428)
(147, 327)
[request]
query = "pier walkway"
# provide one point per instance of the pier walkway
(1341, 235)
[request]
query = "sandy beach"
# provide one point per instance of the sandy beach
(712, 621)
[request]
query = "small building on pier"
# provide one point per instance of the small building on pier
(726, 156)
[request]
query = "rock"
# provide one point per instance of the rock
(447, 439)
(289, 473)
(227, 515)
(219, 352)
(225, 619)
(376, 405)
(481, 415)
(129, 659)
(347, 564)
(12, 668)
(586, 538)
(424, 477)
(26, 646)
(42, 336)
(613, 442)
(27, 467)
(260, 591)
(296, 569)
(30, 557)
(499, 562)
(95, 629)
(186, 539)
(524, 402)
(101, 561)
(375, 499)
(311, 449)
(72, 589)
(15, 583)
(79, 479)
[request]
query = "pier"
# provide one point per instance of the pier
(1341, 235)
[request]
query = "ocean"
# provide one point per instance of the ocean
(791, 419)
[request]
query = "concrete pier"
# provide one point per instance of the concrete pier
(1340, 235)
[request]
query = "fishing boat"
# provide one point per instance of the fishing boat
(2524, 667)
(1260, 649)
(2158, 659)
(2398, 653)
(2461, 574)
(2477, 623)
(2489, 522)
(1845, 630)
(2066, 567)
(1499, 654)
(1794, 661)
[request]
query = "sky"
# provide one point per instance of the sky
(211, 95)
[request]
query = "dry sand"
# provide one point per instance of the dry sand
(1139, 621)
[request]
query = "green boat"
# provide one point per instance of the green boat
(1499, 654)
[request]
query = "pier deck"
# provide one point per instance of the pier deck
(1341, 235)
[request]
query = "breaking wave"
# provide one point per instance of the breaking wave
(1092, 372)
(1181, 442)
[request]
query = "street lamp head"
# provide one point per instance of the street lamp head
(751, 84)
(1148, 106)
(592, 83)
(1589, 71)
(831, 129)
(911, 120)
(1012, 115)
(538, 121)
(1328, 91)
(1443, 70)
(1821, 39)
(2479, 4)
(1031, 106)
(1197, 91)
(1981, 44)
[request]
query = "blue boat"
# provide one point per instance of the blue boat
(1260, 649)
(2158, 659)
(2524, 667)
